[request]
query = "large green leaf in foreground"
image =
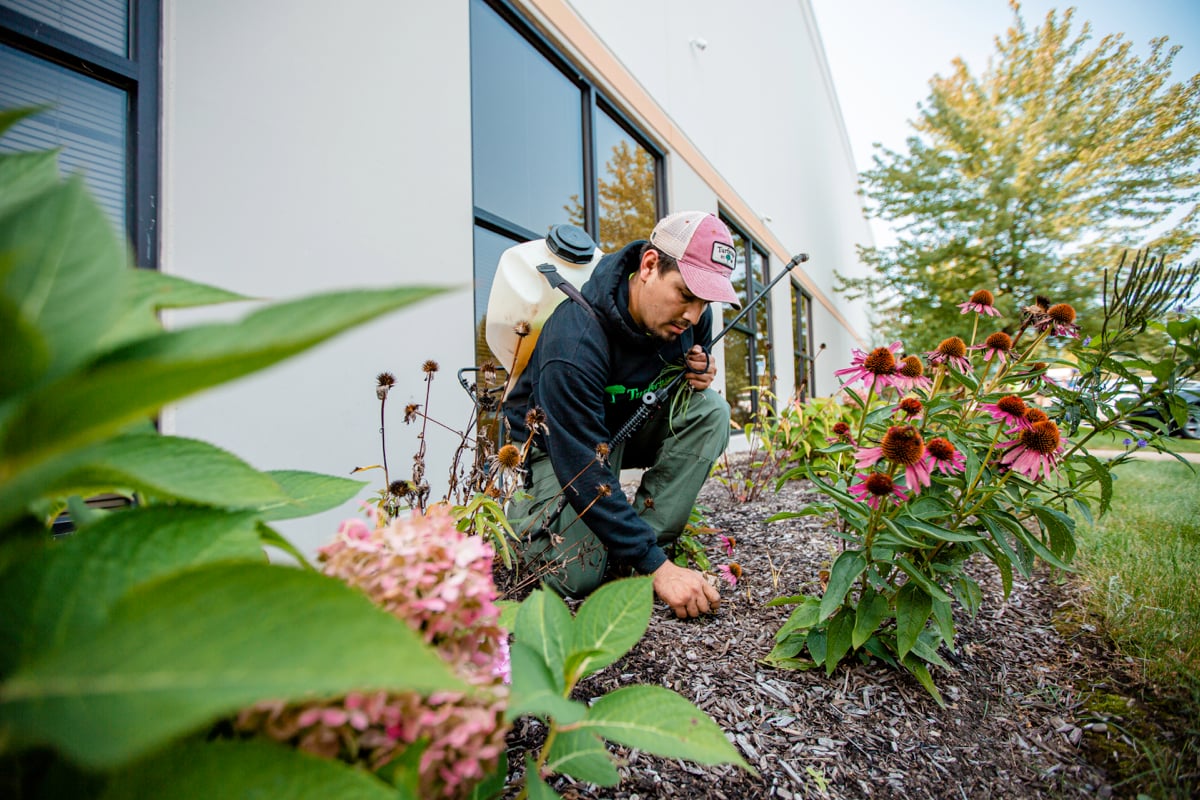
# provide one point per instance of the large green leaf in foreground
(135, 380)
(199, 771)
(178, 653)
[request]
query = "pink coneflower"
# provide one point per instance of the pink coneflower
(1010, 410)
(952, 351)
(876, 369)
(1059, 319)
(943, 456)
(727, 542)
(999, 344)
(910, 374)
(982, 302)
(1036, 450)
(841, 434)
(876, 486)
(910, 407)
(1033, 415)
(902, 445)
(730, 573)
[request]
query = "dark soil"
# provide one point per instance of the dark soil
(1019, 720)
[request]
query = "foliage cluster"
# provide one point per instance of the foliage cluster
(969, 463)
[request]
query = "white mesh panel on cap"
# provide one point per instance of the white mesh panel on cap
(672, 234)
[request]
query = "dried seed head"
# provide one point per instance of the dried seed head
(911, 367)
(1042, 302)
(1038, 366)
(911, 406)
(1061, 313)
(385, 379)
(603, 490)
(841, 429)
(880, 361)
(535, 418)
(429, 367)
(879, 484)
(1034, 415)
(1012, 405)
(410, 412)
(902, 445)
(940, 448)
(984, 298)
(953, 347)
(602, 451)
(509, 457)
(487, 371)
(522, 329)
(1043, 438)
(999, 341)
(400, 488)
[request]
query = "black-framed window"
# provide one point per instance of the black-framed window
(749, 361)
(803, 354)
(94, 66)
(547, 148)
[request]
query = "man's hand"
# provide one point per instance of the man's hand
(685, 591)
(706, 368)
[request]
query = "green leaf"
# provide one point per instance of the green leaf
(24, 175)
(534, 690)
(817, 642)
(198, 770)
(969, 594)
(1061, 529)
(180, 652)
(165, 467)
(938, 532)
(273, 538)
(1003, 565)
(308, 493)
(583, 756)
(139, 377)
(944, 616)
(492, 785)
(931, 588)
(150, 291)
(872, 610)
(544, 626)
(805, 616)
(508, 613)
(70, 587)
(62, 271)
(612, 620)
(996, 527)
(659, 721)
(535, 787)
(921, 673)
(846, 569)
(841, 633)
(913, 607)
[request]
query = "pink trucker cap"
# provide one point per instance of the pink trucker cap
(704, 249)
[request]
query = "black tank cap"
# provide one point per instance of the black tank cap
(571, 244)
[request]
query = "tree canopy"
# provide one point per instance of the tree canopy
(1031, 178)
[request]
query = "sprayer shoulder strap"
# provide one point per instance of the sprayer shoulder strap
(557, 281)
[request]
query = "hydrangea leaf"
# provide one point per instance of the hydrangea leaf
(612, 620)
(182, 651)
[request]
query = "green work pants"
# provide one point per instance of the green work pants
(678, 456)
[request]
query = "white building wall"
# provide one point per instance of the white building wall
(311, 146)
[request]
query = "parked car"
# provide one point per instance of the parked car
(1152, 416)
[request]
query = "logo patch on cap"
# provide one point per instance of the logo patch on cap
(724, 254)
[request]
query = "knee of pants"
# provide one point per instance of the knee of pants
(711, 420)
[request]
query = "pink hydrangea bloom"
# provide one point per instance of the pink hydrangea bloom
(439, 581)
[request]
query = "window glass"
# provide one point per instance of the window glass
(489, 246)
(526, 127)
(104, 23)
(749, 366)
(803, 349)
(625, 173)
(88, 119)
(763, 363)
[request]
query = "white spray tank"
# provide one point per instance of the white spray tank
(520, 293)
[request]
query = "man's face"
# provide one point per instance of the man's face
(665, 307)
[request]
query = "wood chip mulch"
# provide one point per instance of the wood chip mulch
(1015, 723)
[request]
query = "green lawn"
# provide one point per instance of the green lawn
(1115, 441)
(1142, 560)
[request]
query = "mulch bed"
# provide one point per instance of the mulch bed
(1015, 723)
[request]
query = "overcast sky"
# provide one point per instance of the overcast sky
(882, 53)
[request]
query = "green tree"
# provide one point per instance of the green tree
(1029, 179)
(627, 198)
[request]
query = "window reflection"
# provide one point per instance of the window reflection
(749, 365)
(526, 127)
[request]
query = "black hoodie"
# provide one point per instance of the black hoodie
(588, 381)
